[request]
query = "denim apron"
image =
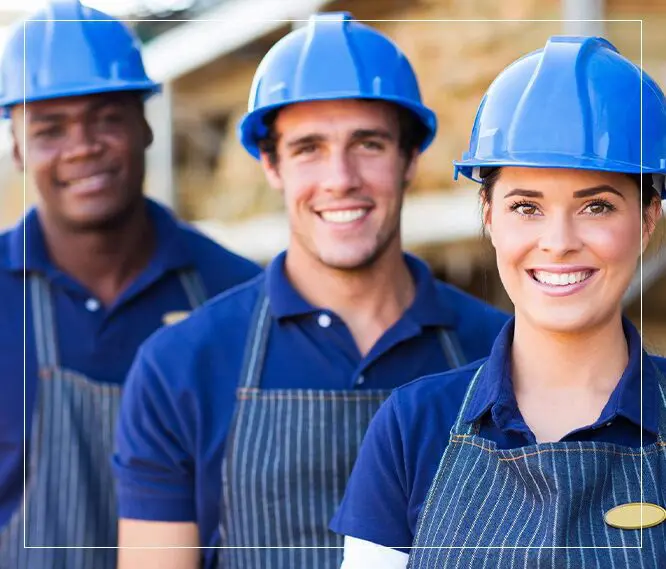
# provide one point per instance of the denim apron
(70, 500)
(541, 505)
(287, 460)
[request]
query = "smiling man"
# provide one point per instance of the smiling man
(101, 267)
(240, 426)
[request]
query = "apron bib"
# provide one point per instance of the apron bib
(70, 499)
(287, 461)
(544, 504)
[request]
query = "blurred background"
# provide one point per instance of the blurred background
(197, 167)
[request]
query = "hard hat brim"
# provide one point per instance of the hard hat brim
(148, 88)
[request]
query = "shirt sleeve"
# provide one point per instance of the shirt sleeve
(153, 461)
(374, 507)
(361, 554)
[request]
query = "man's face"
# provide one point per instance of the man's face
(85, 156)
(343, 177)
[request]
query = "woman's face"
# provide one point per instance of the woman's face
(567, 243)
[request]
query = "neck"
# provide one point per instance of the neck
(369, 300)
(563, 381)
(105, 261)
(589, 360)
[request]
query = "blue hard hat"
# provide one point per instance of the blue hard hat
(574, 104)
(333, 57)
(89, 52)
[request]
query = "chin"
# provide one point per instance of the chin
(348, 260)
(566, 320)
(96, 219)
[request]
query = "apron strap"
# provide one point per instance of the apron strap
(257, 340)
(194, 287)
(461, 427)
(43, 321)
(661, 388)
(451, 347)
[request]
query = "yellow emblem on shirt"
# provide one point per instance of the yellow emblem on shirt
(635, 515)
(176, 316)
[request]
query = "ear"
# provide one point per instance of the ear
(651, 219)
(17, 149)
(487, 218)
(411, 167)
(271, 172)
(148, 134)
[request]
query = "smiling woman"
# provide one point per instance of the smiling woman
(568, 246)
(557, 448)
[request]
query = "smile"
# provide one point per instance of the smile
(343, 215)
(561, 279)
(89, 184)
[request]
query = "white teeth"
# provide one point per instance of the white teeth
(343, 215)
(561, 279)
(93, 178)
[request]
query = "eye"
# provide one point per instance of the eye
(372, 145)
(50, 132)
(599, 207)
(110, 117)
(305, 149)
(525, 209)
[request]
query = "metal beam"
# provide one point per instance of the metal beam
(579, 13)
(654, 269)
(218, 32)
(160, 182)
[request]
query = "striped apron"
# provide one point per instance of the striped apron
(70, 500)
(287, 460)
(541, 505)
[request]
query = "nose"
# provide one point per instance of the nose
(342, 173)
(81, 142)
(560, 235)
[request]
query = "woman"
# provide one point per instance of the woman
(533, 457)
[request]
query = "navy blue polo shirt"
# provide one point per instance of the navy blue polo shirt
(99, 342)
(180, 393)
(407, 437)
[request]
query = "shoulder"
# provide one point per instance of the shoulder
(11, 280)
(466, 302)
(659, 362)
(209, 342)
(5, 249)
(477, 323)
(433, 401)
(220, 314)
(206, 251)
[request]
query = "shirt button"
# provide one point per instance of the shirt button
(360, 380)
(92, 304)
(324, 320)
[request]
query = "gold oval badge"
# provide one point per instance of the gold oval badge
(176, 316)
(635, 515)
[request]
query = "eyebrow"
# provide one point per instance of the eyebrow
(303, 140)
(47, 117)
(584, 193)
(358, 134)
(51, 117)
(372, 133)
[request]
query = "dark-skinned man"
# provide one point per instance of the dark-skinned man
(102, 268)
